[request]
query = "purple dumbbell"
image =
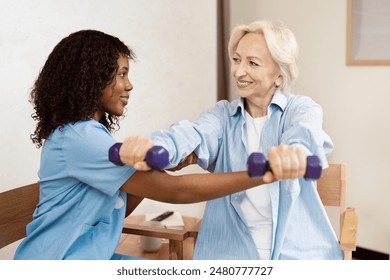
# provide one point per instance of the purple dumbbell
(157, 157)
(258, 165)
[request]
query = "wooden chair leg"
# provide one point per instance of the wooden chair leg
(347, 255)
(349, 233)
(175, 249)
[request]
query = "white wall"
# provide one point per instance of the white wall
(355, 100)
(174, 77)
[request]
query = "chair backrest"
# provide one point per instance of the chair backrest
(332, 187)
(16, 209)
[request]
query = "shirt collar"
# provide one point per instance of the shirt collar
(279, 100)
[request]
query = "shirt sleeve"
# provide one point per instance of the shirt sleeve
(86, 149)
(303, 127)
(202, 136)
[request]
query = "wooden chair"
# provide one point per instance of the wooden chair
(332, 190)
(16, 210)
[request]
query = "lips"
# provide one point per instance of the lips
(243, 84)
(124, 100)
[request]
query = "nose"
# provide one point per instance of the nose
(129, 86)
(239, 70)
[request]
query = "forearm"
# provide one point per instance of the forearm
(183, 138)
(192, 188)
(173, 138)
(202, 187)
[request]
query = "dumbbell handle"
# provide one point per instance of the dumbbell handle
(258, 165)
(157, 157)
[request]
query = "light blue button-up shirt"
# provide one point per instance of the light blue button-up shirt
(301, 229)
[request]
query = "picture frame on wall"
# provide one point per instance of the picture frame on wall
(368, 32)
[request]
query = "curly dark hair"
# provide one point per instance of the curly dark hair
(69, 86)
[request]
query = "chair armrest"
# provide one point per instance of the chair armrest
(349, 230)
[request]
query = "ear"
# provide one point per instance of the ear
(279, 80)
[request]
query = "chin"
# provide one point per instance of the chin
(243, 93)
(120, 111)
(117, 113)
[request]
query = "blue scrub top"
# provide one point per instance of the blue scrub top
(81, 210)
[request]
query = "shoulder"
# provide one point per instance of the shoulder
(87, 132)
(85, 128)
(225, 107)
(301, 102)
(302, 108)
(299, 99)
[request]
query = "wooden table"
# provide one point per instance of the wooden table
(177, 243)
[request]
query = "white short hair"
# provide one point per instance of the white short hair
(281, 43)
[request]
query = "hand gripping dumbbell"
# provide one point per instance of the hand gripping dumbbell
(258, 165)
(157, 157)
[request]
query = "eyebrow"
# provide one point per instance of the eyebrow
(249, 57)
(254, 57)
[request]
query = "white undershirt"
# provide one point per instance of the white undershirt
(256, 203)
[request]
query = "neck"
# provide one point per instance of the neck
(97, 115)
(257, 106)
(256, 110)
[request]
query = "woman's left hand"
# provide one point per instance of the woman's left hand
(133, 152)
(287, 162)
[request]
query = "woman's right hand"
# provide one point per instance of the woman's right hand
(133, 152)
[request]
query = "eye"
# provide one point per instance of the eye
(251, 63)
(236, 60)
(122, 74)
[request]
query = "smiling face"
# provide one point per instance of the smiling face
(255, 72)
(115, 95)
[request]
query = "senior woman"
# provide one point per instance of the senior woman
(281, 220)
